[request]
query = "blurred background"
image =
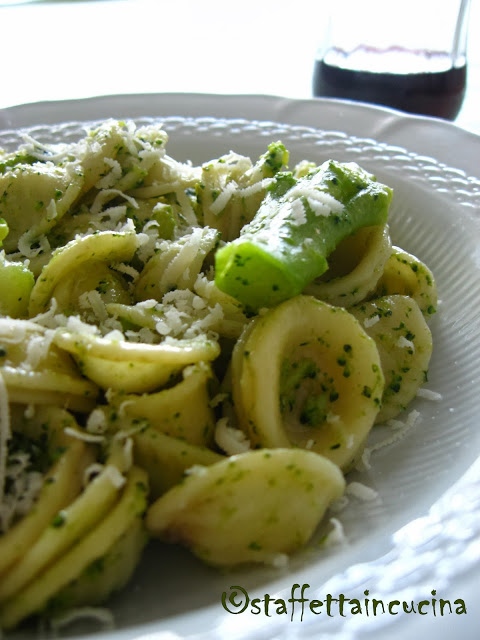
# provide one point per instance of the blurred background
(54, 50)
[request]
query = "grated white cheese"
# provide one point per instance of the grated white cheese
(127, 269)
(337, 506)
(219, 204)
(148, 244)
(76, 325)
(14, 333)
(307, 242)
(106, 195)
(115, 336)
(50, 318)
(182, 315)
(115, 476)
(28, 485)
(99, 614)
(25, 485)
(91, 472)
(361, 491)
(232, 441)
(128, 448)
(112, 176)
(403, 343)
(25, 245)
(37, 350)
(113, 215)
(336, 536)
(400, 430)
(142, 335)
(97, 422)
(321, 203)
(332, 418)
(29, 411)
(428, 394)
(364, 463)
(369, 322)
(187, 209)
(278, 561)
(298, 213)
(255, 188)
(40, 151)
(83, 435)
(93, 300)
(51, 210)
(196, 469)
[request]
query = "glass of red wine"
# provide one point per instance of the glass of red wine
(409, 55)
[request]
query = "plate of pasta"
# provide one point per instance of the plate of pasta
(237, 375)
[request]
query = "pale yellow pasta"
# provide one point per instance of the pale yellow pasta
(166, 459)
(68, 526)
(404, 342)
(98, 149)
(176, 266)
(102, 246)
(92, 546)
(354, 267)
(34, 198)
(306, 374)
(198, 419)
(73, 294)
(61, 483)
(214, 514)
(132, 367)
(224, 176)
(36, 371)
(405, 274)
(110, 157)
(104, 575)
(234, 317)
(182, 411)
(185, 313)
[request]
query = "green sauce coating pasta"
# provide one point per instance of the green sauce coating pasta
(176, 339)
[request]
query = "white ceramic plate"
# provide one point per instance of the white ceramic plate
(422, 532)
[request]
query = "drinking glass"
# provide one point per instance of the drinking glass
(410, 55)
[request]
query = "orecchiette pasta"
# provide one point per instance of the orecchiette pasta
(213, 513)
(35, 371)
(404, 343)
(405, 274)
(193, 353)
(42, 590)
(355, 267)
(181, 411)
(63, 462)
(105, 246)
(306, 374)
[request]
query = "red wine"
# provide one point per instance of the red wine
(422, 82)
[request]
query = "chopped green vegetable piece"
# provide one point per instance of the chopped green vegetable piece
(3, 230)
(16, 284)
(299, 223)
(272, 161)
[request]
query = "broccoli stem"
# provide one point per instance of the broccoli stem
(299, 223)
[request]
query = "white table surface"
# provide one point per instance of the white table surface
(58, 50)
